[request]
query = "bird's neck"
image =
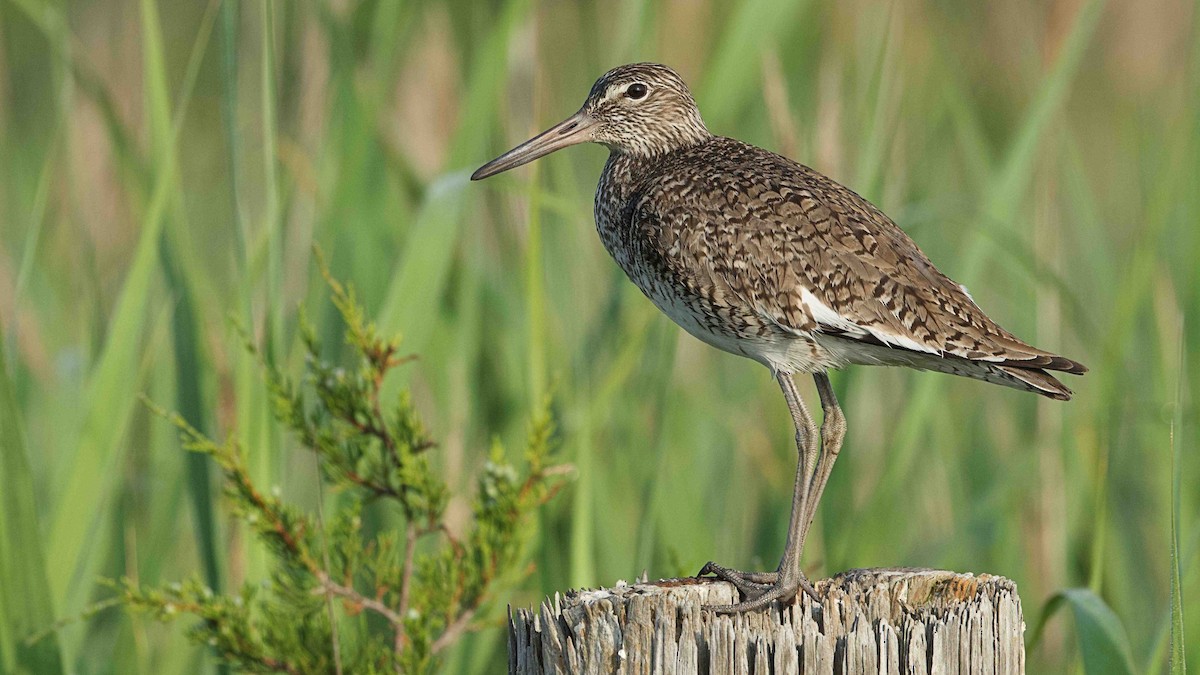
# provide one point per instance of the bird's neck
(622, 173)
(662, 141)
(627, 167)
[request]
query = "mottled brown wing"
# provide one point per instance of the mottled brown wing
(812, 256)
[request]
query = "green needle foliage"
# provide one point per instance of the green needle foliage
(340, 598)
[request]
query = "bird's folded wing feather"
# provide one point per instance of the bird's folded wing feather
(812, 256)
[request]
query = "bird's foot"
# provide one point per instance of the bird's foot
(758, 588)
(749, 583)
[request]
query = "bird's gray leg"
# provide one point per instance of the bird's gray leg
(806, 446)
(788, 579)
(833, 431)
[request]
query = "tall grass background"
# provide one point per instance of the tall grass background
(165, 168)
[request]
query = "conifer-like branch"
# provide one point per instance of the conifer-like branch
(428, 592)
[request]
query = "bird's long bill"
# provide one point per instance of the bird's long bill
(575, 129)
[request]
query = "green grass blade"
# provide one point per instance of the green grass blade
(186, 330)
(25, 604)
(229, 96)
(1102, 639)
(415, 293)
(264, 270)
(1016, 174)
(77, 541)
(273, 239)
(421, 276)
(189, 402)
(1178, 658)
(881, 101)
(583, 509)
(535, 296)
(733, 74)
(632, 25)
(38, 220)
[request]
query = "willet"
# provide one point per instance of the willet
(761, 256)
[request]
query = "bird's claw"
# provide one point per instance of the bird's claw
(760, 588)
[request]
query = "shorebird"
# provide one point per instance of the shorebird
(763, 257)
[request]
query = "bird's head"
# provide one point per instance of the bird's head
(642, 109)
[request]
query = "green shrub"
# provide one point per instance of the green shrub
(340, 599)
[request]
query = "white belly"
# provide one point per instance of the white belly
(779, 350)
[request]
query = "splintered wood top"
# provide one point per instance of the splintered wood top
(897, 621)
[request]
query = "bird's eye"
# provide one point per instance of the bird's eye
(636, 90)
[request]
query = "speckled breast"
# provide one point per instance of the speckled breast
(644, 256)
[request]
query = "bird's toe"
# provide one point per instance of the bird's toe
(759, 589)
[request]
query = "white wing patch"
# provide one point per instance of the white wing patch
(826, 316)
(903, 342)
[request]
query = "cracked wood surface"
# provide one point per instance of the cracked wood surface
(886, 621)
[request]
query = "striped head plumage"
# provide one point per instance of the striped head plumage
(642, 109)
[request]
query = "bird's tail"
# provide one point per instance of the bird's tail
(1030, 379)
(1027, 369)
(1034, 378)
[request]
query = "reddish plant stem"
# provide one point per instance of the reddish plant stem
(330, 586)
(454, 630)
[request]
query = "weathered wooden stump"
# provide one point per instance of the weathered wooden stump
(893, 621)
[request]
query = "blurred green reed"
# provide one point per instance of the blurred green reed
(166, 166)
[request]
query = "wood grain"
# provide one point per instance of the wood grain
(886, 621)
